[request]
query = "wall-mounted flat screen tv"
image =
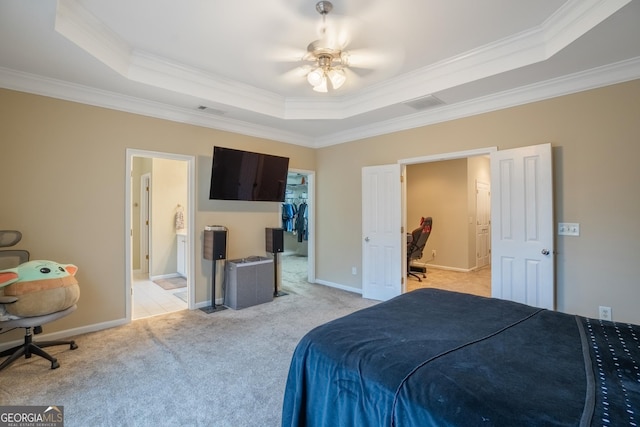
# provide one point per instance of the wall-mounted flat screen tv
(244, 175)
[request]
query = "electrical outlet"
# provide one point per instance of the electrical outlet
(354, 271)
(433, 253)
(605, 313)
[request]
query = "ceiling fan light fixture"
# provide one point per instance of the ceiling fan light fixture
(325, 58)
(322, 86)
(337, 77)
(315, 77)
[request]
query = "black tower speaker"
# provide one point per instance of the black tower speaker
(274, 238)
(215, 244)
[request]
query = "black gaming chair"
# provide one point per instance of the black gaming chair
(416, 242)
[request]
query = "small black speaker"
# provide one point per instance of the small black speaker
(215, 244)
(274, 238)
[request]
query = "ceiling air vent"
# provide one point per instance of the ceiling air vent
(210, 110)
(424, 103)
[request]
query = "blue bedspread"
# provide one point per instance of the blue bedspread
(438, 358)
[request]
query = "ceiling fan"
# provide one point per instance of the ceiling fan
(346, 49)
(327, 55)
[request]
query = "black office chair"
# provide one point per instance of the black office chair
(10, 259)
(416, 241)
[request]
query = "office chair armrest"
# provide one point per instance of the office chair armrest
(7, 300)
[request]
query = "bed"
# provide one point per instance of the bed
(438, 358)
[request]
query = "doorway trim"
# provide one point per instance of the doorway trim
(429, 159)
(483, 210)
(145, 188)
(311, 221)
(128, 230)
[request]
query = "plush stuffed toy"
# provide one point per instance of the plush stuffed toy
(40, 287)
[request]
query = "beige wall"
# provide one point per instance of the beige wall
(63, 175)
(439, 190)
(595, 138)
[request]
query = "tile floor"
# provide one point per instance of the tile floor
(150, 299)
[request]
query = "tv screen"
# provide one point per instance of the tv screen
(244, 175)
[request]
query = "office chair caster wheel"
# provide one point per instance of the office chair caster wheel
(55, 364)
(73, 345)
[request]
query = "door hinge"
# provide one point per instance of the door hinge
(146, 256)
(402, 230)
(401, 178)
(402, 280)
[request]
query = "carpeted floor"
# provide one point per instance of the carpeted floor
(185, 369)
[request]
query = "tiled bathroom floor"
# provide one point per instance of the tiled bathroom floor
(150, 299)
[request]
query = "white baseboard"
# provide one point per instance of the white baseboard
(444, 267)
(339, 286)
(67, 333)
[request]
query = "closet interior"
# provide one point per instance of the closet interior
(295, 216)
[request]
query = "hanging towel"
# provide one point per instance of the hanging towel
(180, 219)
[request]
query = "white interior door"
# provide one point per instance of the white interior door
(483, 224)
(522, 226)
(381, 232)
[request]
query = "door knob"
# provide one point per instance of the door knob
(366, 239)
(545, 252)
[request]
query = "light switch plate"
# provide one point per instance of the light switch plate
(568, 229)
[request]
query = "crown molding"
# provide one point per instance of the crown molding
(165, 74)
(78, 25)
(44, 86)
(575, 18)
(599, 77)
(620, 72)
(537, 44)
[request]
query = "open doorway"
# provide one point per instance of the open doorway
(521, 218)
(297, 216)
(455, 192)
(160, 221)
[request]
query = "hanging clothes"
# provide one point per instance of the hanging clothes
(301, 222)
(288, 215)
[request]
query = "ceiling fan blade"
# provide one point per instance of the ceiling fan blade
(338, 32)
(367, 58)
(286, 54)
(296, 74)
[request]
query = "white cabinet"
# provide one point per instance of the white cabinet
(182, 255)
